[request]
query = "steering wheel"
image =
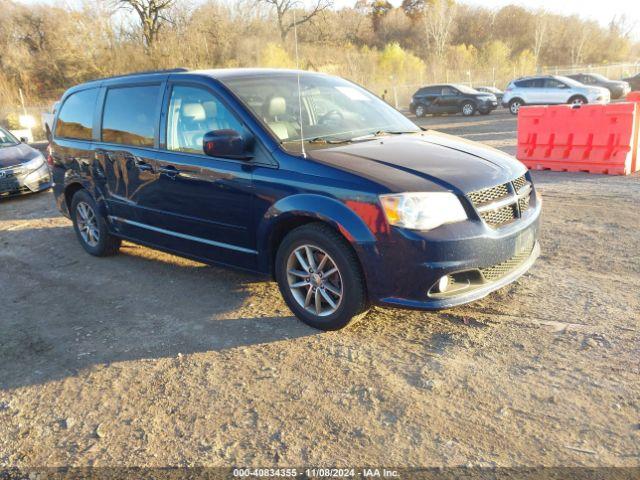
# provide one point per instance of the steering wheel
(332, 116)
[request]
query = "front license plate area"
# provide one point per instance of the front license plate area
(525, 241)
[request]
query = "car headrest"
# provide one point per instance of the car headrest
(194, 111)
(276, 106)
(210, 108)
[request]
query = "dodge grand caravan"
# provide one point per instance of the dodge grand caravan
(336, 195)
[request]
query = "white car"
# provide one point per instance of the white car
(47, 119)
(551, 90)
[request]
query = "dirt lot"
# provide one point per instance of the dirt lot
(148, 359)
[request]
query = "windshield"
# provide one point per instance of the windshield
(597, 76)
(570, 81)
(6, 139)
(465, 89)
(332, 110)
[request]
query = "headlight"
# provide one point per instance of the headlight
(422, 210)
(34, 163)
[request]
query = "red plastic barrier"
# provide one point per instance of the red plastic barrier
(633, 97)
(591, 138)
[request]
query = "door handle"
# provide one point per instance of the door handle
(142, 165)
(100, 152)
(169, 170)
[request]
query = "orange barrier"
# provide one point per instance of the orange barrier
(590, 138)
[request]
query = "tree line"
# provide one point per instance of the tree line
(47, 48)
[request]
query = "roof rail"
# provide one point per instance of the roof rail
(146, 72)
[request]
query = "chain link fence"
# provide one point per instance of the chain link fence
(400, 95)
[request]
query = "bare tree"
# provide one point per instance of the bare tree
(579, 33)
(284, 7)
(152, 15)
(540, 35)
(438, 24)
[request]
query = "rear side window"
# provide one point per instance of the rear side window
(553, 83)
(76, 116)
(129, 116)
(429, 91)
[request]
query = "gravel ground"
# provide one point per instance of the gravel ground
(147, 359)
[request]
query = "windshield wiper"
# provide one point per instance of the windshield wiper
(379, 133)
(328, 141)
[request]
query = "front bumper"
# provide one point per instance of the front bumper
(470, 295)
(488, 106)
(18, 181)
(404, 268)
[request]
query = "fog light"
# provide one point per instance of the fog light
(443, 284)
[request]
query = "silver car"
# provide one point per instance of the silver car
(551, 90)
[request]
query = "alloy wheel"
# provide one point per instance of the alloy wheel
(577, 101)
(419, 111)
(515, 106)
(314, 280)
(467, 109)
(87, 224)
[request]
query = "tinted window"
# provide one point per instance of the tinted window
(553, 83)
(76, 117)
(192, 113)
(449, 91)
(129, 116)
(429, 91)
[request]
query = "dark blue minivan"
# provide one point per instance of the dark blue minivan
(303, 176)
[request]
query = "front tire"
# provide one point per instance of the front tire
(320, 277)
(91, 227)
(468, 109)
(421, 111)
(514, 105)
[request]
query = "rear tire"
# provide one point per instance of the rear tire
(91, 227)
(315, 293)
(468, 109)
(578, 100)
(514, 105)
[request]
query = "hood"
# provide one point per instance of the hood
(426, 161)
(21, 153)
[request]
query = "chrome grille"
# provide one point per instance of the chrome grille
(489, 195)
(495, 272)
(519, 182)
(501, 204)
(502, 216)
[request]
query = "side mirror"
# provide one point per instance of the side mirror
(23, 140)
(227, 144)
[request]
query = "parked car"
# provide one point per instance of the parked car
(22, 169)
(47, 119)
(634, 82)
(451, 99)
(493, 90)
(617, 88)
(338, 196)
(551, 90)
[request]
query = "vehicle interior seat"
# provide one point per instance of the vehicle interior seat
(192, 126)
(274, 111)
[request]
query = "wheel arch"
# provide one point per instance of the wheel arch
(297, 210)
(578, 95)
(69, 191)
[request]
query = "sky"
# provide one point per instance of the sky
(600, 10)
